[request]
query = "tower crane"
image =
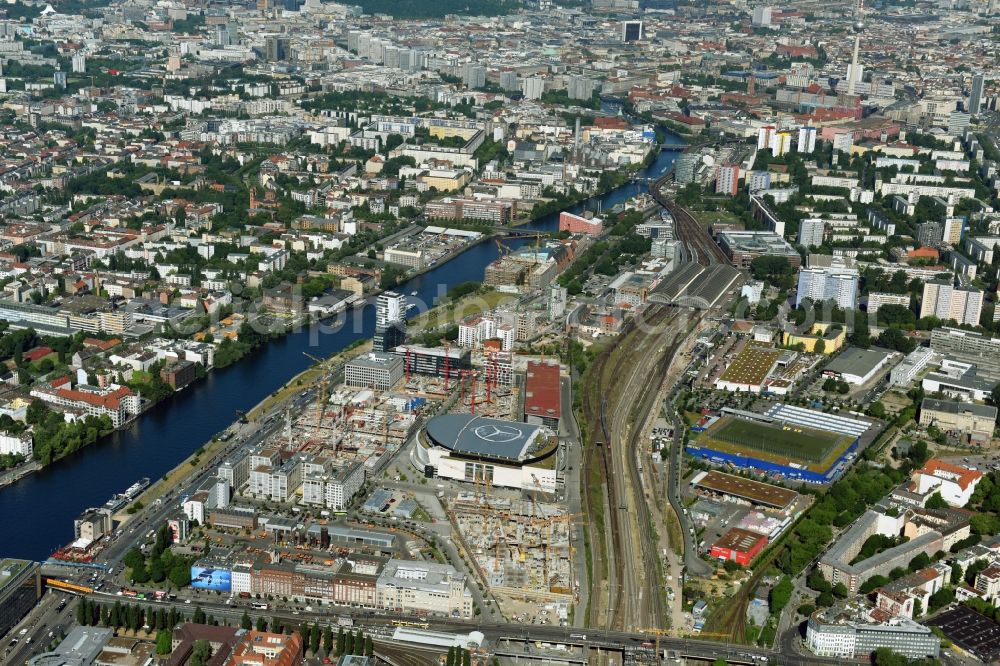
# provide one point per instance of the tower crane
(321, 385)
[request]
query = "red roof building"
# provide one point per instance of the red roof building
(542, 397)
(738, 545)
(36, 354)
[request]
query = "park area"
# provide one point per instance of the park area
(815, 449)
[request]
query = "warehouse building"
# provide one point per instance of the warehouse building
(738, 545)
(857, 366)
(975, 422)
(737, 489)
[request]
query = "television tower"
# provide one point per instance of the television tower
(859, 26)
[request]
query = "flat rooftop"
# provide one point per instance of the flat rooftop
(741, 540)
(856, 361)
(748, 489)
(542, 390)
(968, 629)
(751, 365)
(10, 570)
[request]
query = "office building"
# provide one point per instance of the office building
(958, 380)
(390, 322)
(976, 94)
(727, 180)
(811, 232)
(376, 370)
(915, 361)
(685, 167)
(428, 587)
(975, 348)
(20, 590)
(742, 247)
(276, 48)
(832, 283)
(543, 394)
(631, 31)
(434, 361)
(841, 632)
(946, 302)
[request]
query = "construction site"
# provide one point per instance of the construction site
(523, 548)
(484, 388)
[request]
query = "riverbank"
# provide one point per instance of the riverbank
(302, 381)
(16, 474)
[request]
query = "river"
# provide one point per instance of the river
(38, 511)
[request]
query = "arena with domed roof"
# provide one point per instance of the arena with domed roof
(479, 449)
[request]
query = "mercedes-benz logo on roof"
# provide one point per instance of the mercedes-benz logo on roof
(497, 434)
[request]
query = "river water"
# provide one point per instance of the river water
(38, 511)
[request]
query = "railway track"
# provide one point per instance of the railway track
(688, 229)
(621, 385)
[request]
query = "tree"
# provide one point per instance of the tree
(199, 616)
(886, 657)
(918, 609)
(780, 594)
(83, 612)
(817, 582)
(327, 639)
(245, 622)
(840, 591)
(163, 642)
(261, 624)
(180, 574)
(348, 643)
(341, 641)
(201, 652)
(956, 574)
(369, 646)
(306, 632)
(820, 346)
(825, 599)
(314, 639)
(921, 561)
(895, 339)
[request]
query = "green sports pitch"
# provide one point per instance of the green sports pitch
(775, 442)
